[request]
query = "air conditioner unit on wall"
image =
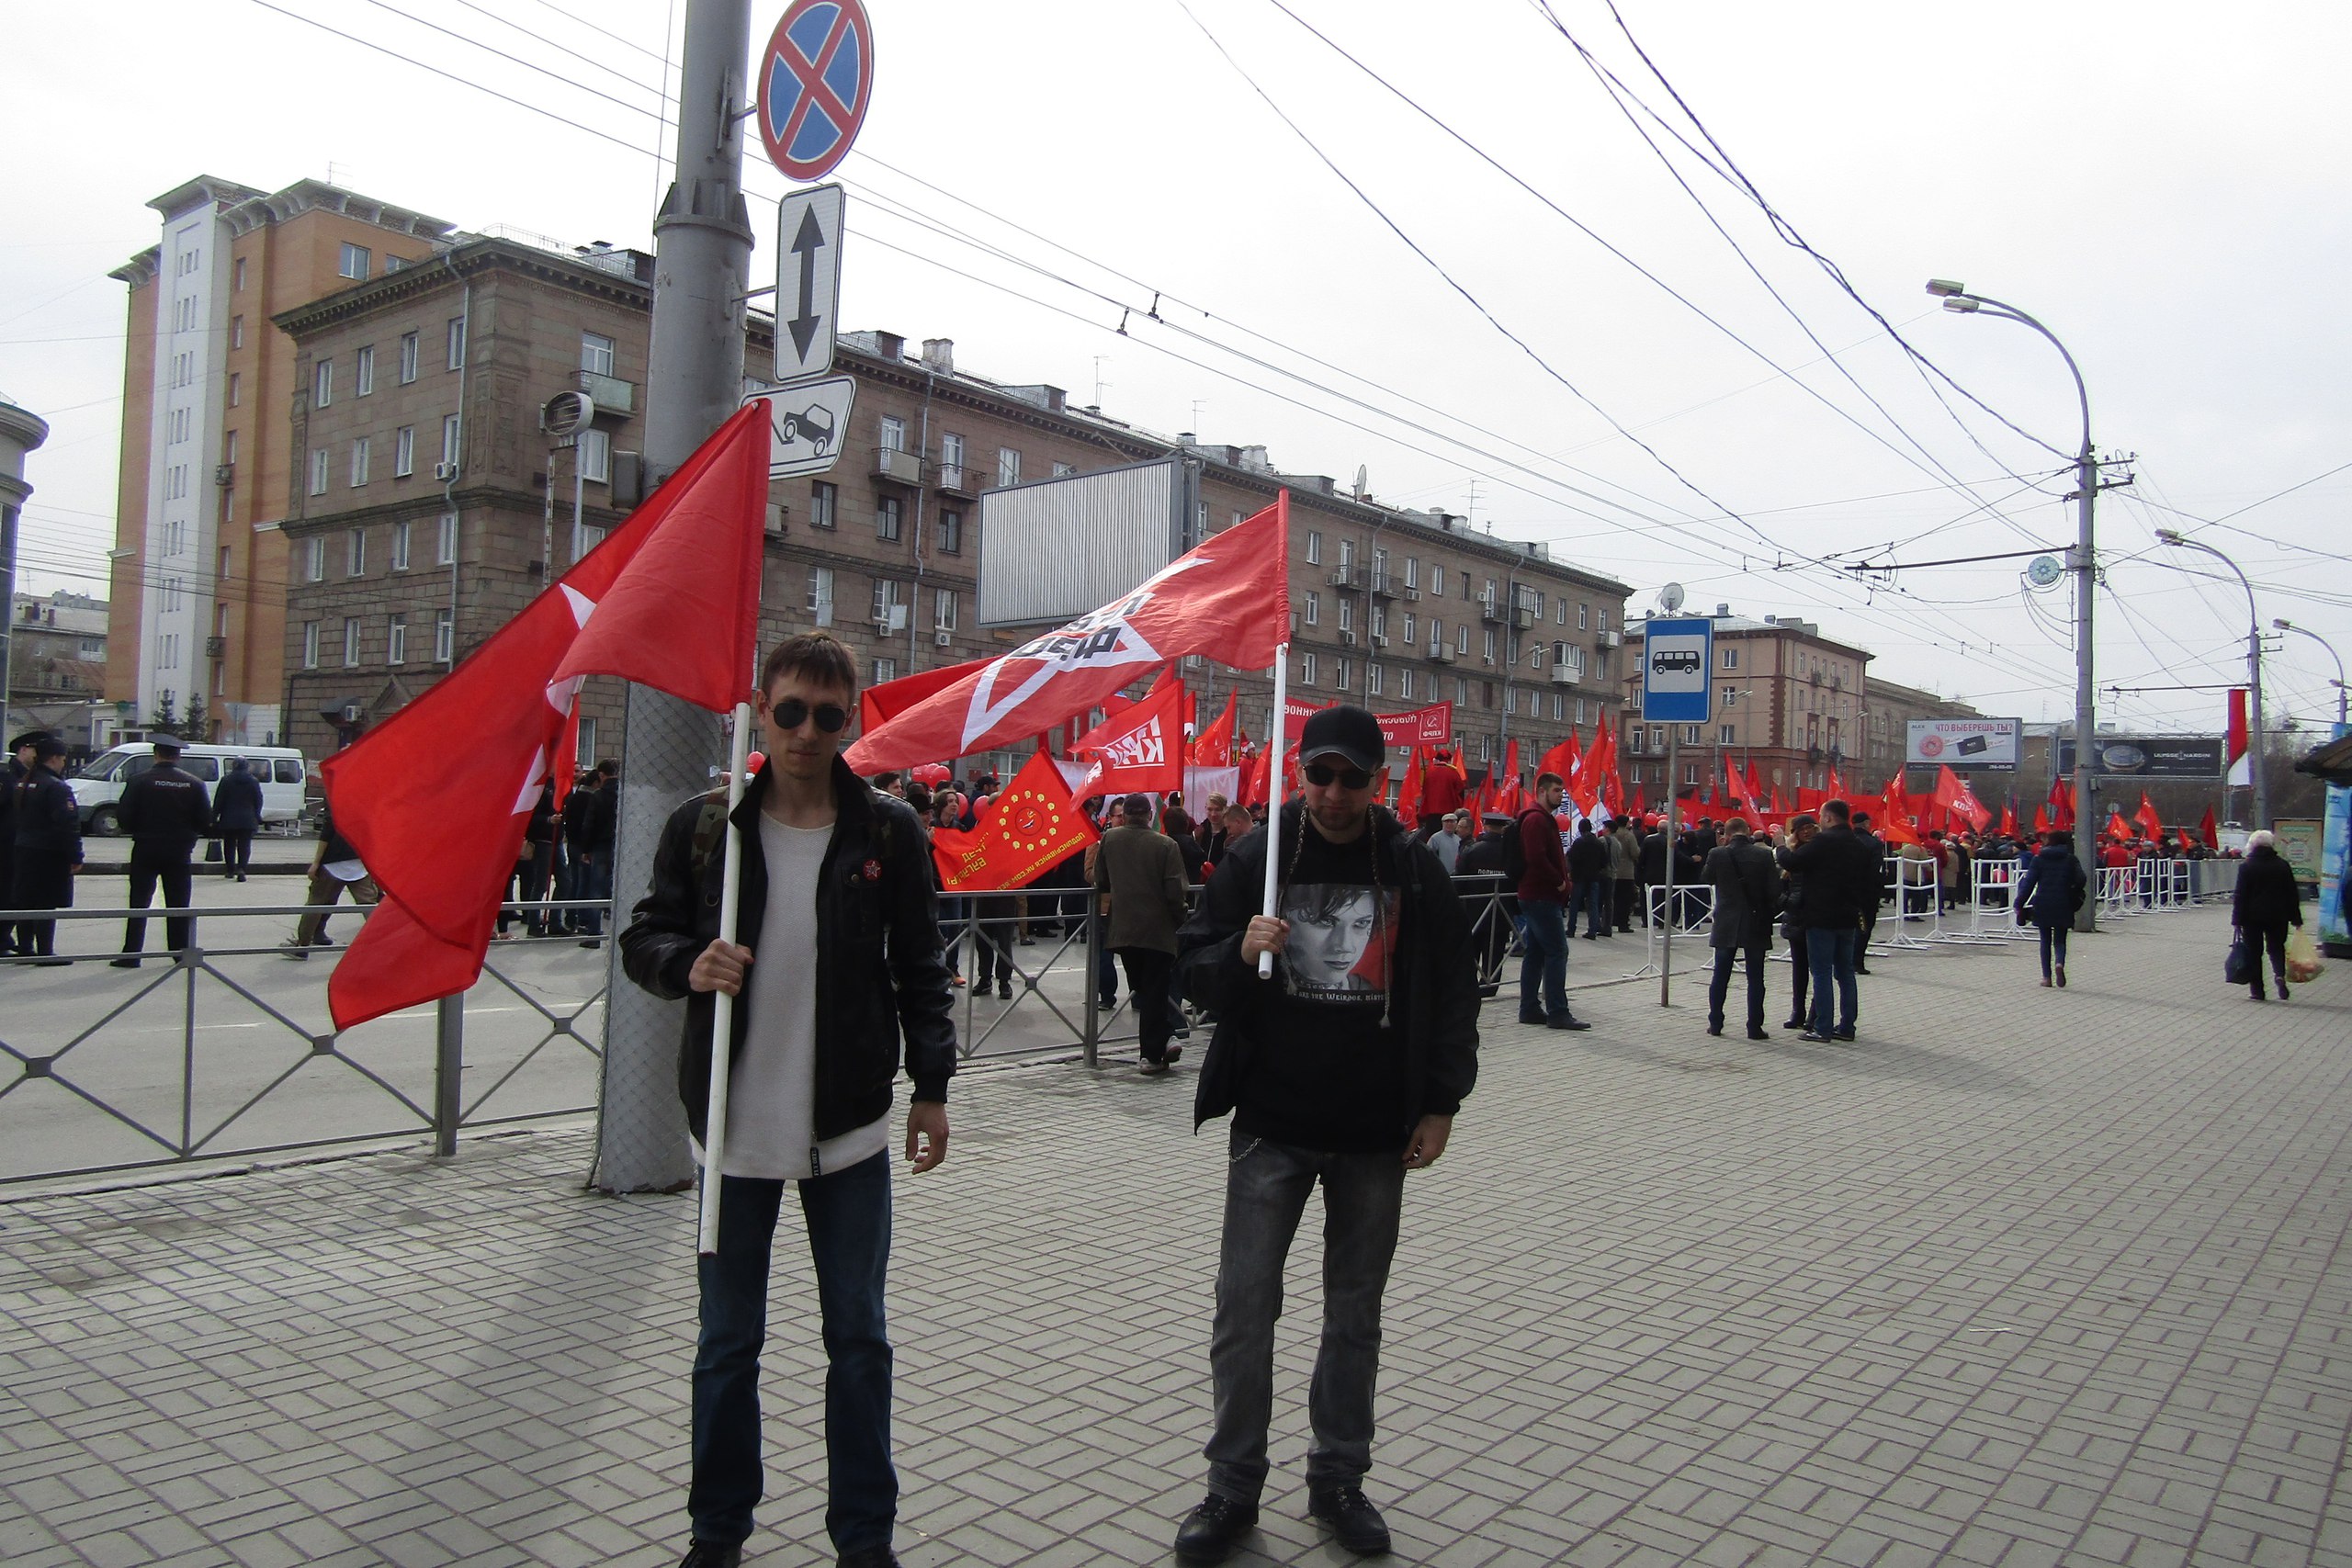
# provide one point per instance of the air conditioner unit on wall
(942, 638)
(444, 472)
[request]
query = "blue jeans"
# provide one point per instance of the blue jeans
(1595, 896)
(1266, 1188)
(1543, 968)
(848, 1214)
(596, 881)
(1829, 953)
(2054, 943)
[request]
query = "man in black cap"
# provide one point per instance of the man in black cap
(16, 771)
(1345, 1067)
(45, 823)
(164, 811)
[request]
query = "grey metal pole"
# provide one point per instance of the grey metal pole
(1665, 936)
(449, 1073)
(2343, 691)
(2253, 747)
(702, 241)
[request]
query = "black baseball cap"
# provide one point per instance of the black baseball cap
(1349, 732)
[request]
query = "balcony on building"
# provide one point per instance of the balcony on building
(1386, 585)
(959, 480)
(1441, 652)
(897, 465)
(1563, 675)
(214, 647)
(610, 393)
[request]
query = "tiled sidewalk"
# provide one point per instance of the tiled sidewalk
(2023, 1277)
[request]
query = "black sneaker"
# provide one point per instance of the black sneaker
(1841, 1034)
(1759, 1034)
(1566, 1020)
(1715, 1026)
(126, 962)
(1211, 1531)
(1816, 1039)
(1351, 1517)
(712, 1554)
(868, 1557)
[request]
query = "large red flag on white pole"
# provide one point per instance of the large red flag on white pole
(1228, 598)
(436, 800)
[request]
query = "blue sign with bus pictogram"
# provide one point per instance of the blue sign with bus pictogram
(816, 78)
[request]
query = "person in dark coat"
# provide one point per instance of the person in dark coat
(45, 823)
(534, 865)
(1483, 856)
(1589, 872)
(236, 817)
(1840, 871)
(2048, 895)
(2267, 901)
(1802, 827)
(1746, 881)
(164, 811)
(599, 832)
(16, 771)
(1877, 846)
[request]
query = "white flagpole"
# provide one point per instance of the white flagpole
(722, 1022)
(1274, 793)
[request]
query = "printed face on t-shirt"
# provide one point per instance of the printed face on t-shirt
(1341, 936)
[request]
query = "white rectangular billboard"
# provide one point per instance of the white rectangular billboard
(1964, 743)
(1053, 550)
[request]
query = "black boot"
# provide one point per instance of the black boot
(1211, 1531)
(1351, 1517)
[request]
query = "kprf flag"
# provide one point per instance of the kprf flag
(435, 798)
(1227, 598)
(877, 706)
(1138, 750)
(1026, 831)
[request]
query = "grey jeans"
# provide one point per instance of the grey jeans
(1266, 1188)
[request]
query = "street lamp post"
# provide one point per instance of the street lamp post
(2255, 771)
(1957, 298)
(2341, 690)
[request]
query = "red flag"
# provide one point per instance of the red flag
(2061, 804)
(1252, 788)
(2042, 820)
(1408, 791)
(1137, 748)
(563, 762)
(1837, 785)
(1752, 787)
(878, 705)
(435, 798)
(1641, 801)
(2008, 821)
(2150, 818)
(1030, 829)
(1606, 771)
(1228, 597)
(1213, 748)
(2208, 831)
(2118, 828)
(2237, 734)
(2186, 843)
(1733, 790)
(1565, 760)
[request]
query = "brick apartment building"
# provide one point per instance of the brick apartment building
(1789, 701)
(198, 582)
(1891, 708)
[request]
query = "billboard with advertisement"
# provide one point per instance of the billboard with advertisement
(1961, 744)
(2150, 757)
(2336, 845)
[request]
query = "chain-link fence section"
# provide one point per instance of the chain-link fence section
(668, 750)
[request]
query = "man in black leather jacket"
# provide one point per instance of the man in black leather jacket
(836, 958)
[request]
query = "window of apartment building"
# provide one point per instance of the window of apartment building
(1690, 734)
(400, 545)
(394, 265)
(361, 452)
(1347, 555)
(444, 549)
(404, 451)
(885, 669)
(1437, 634)
(1314, 548)
(1372, 680)
(824, 503)
(1580, 710)
(1064, 471)
(229, 446)
(1408, 627)
(351, 642)
(236, 389)
(396, 640)
(319, 460)
(585, 536)
(354, 264)
(310, 645)
(596, 354)
(1462, 640)
(1436, 580)
(355, 553)
(363, 372)
(451, 439)
(236, 332)
(1731, 659)
(1412, 571)
(1727, 735)
(951, 533)
(315, 559)
(408, 358)
(887, 602)
(1341, 673)
(1313, 609)
(1380, 620)
(1008, 466)
(1306, 669)
(595, 455)
(951, 461)
(889, 518)
(583, 754)
(1347, 613)
(820, 595)
(1461, 691)
(457, 343)
(1600, 618)
(237, 272)
(322, 383)
(445, 641)
(1491, 645)
(1690, 773)
(220, 573)
(943, 610)
(894, 434)
(1404, 683)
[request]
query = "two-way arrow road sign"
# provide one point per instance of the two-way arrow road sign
(807, 280)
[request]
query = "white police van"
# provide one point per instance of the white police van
(280, 769)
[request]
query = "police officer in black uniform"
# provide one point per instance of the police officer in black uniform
(16, 771)
(164, 811)
(46, 847)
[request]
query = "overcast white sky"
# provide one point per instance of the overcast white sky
(2164, 185)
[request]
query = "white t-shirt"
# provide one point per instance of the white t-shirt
(771, 1095)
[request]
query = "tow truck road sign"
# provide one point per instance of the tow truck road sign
(808, 422)
(807, 280)
(1677, 656)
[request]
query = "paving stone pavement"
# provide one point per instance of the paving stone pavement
(2021, 1277)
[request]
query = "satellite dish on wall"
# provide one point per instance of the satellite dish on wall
(1669, 598)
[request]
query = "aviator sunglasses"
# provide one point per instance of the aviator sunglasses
(1322, 775)
(792, 713)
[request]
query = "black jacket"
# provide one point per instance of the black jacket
(1588, 858)
(600, 820)
(1437, 982)
(44, 819)
(1746, 881)
(576, 806)
(1840, 872)
(2051, 888)
(164, 809)
(236, 802)
(2267, 894)
(878, 970)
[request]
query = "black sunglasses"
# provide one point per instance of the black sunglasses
(792, 713)
(1323, 774)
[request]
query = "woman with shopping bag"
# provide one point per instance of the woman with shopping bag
(2267, 902)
